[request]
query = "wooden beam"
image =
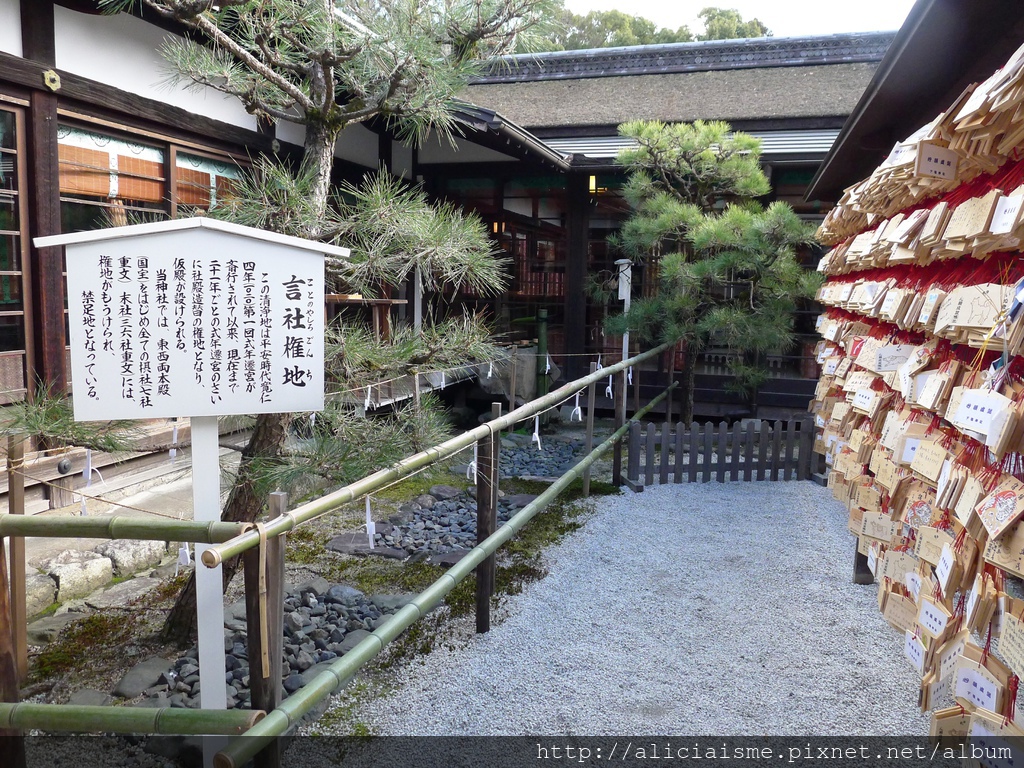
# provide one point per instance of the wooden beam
(37, 40)
(95, 98)
(47, 263)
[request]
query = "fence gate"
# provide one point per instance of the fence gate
(772, 451)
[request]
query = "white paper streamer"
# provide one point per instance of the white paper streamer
(184, 558)
(629, 374)
(608, 389)
(442, 380)
(471, 469)
(547, 365)
(490, 370)
(536, 432)
(371, 528)
(174, 443)
(87, 477)
(366, 405)
(577, 412)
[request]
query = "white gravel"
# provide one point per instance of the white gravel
(693, 609)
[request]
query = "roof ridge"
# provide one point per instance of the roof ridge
(744, 53)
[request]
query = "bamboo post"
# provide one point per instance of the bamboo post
(12, 742)
(264, 611)
(16, 506)
(591, 391)
(486, 520)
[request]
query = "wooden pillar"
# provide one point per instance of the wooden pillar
(43, 202)
(47, 263)
(265, 603)
(578, 231)
(37, 38)
(487, 459)
(589, 446)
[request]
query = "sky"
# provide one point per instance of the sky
(785, 18)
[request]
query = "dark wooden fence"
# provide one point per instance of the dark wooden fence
(772, 451)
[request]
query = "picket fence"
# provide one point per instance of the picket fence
(769, 451)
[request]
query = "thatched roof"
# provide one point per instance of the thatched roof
(729, 94)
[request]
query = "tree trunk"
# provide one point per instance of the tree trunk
(689, 376)
(244, 505)
(318, 154)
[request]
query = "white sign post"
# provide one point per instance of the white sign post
(625, 293)
(200, 318)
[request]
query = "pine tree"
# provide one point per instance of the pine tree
(326, 65)
(726, 266)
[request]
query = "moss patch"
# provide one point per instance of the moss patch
(78, 641)
(418, 484)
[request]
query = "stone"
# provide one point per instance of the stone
(352, 639)
(121, 594)
(521, 499)
(79, 573)
(293, 622)
(401, 518)
(444, 492)
(236, 610)
(40, 593)
(317, 585)
(426, 501)
(143, 675)
(357, 544)
(303, 661)
(45, 630)
(448, 558)
(89, 697)
(342, 593)
(293, 682)
(391, 603)
(129, 556)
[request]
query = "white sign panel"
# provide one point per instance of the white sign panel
(194, 323)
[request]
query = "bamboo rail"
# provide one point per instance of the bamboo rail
(291, 711)
(119, 527)
(214, 556)
(69, 718)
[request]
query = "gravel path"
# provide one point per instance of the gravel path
(685, 610)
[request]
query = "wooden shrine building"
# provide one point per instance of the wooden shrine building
(90, 132)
